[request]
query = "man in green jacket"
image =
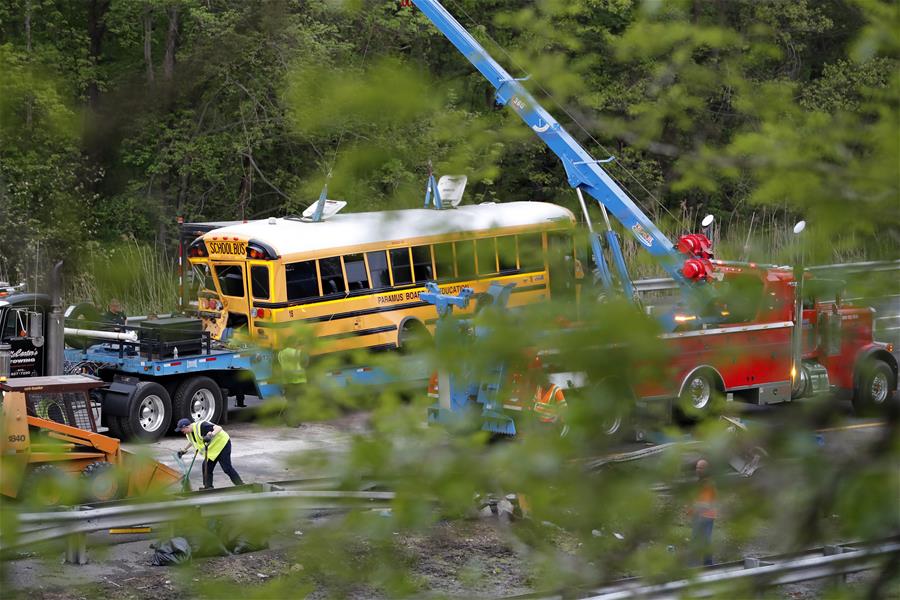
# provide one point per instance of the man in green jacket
(215, 444)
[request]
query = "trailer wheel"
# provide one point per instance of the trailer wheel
(875, 388)
(199, 399)
(102, 482)
(149, 413)
(45, 485)
(700, 397)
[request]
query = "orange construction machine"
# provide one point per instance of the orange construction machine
(51, 452)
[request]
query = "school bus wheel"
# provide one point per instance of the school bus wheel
(413, 335)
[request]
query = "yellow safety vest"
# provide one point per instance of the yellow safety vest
(215, 446)
(291, 362)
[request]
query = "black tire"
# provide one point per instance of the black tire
(46, 485)
(701, 397)
(198, 399)
(413, 336)
(102, 482)
(149, 413)
(875, 388)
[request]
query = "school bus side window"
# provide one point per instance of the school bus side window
(443, 259)
(531, 252)
(357, 279)
(506, 253)
(379, 269)
(259, 282)
(400, 266)
(302, 281)
(332, 276)
(231, 280)
(486, 251)
(465, 259)
(422, 263)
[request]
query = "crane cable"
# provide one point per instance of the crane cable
(572, 118)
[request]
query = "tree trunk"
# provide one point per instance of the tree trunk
(171, 43)
(148, 42)
(28, 26)
(96, 30)
(29, 104)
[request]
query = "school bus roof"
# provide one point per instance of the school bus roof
(289, 237)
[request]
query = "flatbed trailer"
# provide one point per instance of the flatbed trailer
(157, 372)
(145, 395)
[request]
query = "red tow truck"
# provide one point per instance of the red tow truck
(760, 333)
(749, 354)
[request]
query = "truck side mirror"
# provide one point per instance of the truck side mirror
(36, 328)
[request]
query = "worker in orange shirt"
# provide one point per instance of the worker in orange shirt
(704, 513)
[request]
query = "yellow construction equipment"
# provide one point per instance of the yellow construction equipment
(51, 452)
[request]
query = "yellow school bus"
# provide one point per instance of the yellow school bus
(356, 277)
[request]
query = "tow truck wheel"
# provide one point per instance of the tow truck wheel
(149, 413)
(102, 482)
(699, 398)
(875, 389)
(199, 399)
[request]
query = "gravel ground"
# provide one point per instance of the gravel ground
(466, 558)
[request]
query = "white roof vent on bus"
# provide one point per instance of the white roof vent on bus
(273, 221)
(331, 208)
(451, 188)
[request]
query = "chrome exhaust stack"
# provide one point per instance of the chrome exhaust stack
(55, 324)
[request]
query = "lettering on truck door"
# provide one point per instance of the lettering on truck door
(27, 360)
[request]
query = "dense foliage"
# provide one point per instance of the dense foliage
(117, 116)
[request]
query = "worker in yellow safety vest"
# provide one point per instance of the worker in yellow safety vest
(292, 363)
(215, 444)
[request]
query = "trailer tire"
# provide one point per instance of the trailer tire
(103, 482)
(149, 413)
(198, 399)
(875, 388)
(700, 397)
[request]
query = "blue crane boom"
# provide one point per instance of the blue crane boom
(582, 169)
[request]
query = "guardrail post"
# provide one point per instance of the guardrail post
(76, 549)
(831, 550)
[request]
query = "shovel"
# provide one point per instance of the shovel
(186, 473)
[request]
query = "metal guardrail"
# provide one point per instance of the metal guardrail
(661, 284)
(25, 529)
(751, 574)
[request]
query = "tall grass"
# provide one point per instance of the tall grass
(144, 279)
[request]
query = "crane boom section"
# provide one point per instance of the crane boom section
(582, 169)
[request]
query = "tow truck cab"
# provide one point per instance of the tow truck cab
(23, 321)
